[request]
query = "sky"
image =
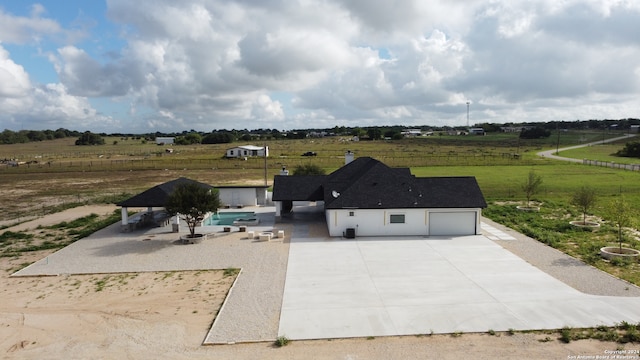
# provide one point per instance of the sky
(121, 66)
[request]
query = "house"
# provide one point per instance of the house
(476, 131)
(411, 133)
(367, 198)
(247, 151)
(165, 140)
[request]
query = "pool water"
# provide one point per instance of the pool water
(227, 218)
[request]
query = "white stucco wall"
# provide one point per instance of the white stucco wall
(373, 222)
(241, 196)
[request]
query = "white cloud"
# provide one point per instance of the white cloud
(14, 81)
(207, 64)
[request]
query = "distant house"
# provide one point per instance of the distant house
(367, 198)
(247, 151)
(411, 133)
(165, 140)
(476, 131)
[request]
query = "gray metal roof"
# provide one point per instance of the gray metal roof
(157, 195)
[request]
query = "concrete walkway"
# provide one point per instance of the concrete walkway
(377, 287)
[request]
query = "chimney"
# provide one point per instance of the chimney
(284, 171)
(348, 157)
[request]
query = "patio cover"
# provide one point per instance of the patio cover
(155, 197)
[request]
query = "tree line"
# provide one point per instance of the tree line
(219, 136)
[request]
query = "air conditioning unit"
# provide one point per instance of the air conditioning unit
(350, 233)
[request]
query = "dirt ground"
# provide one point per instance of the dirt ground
(167, 315)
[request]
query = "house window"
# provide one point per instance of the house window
(230, 152)
(396, 219)
(351, 213)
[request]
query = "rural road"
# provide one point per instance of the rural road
(549, 153)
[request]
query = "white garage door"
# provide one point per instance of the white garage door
(452, 223)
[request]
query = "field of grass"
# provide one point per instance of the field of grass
(602, 152)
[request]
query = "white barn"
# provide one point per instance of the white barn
(165, 140)
(247, 151)
(367, 198)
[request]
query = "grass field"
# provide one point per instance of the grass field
(602, 152)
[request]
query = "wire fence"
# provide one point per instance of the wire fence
(613, 165)
(328, 162)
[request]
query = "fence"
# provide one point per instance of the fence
(613, 165)
(275, 162)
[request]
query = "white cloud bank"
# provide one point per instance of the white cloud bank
(226, 64)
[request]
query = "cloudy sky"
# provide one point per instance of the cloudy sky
(166, 65)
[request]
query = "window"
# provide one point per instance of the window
(396, 219)
(230, 152)
(351, 213)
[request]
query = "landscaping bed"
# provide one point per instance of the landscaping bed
(551, 226)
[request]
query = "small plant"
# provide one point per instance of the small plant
(282, 341)
(231, 272)
(565, 335)
(370, 337)
(456, 334)
(620, 213)
(100, 284)
(511, 332)
(531, 185)
(491, 332)
(546, 339)
(584, 199)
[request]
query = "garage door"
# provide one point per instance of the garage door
(452, 223)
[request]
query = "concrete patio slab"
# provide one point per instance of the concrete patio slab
(381, 286)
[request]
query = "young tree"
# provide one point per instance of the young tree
(532, 185)
(620, 213)
(192, 202)
(584, 199)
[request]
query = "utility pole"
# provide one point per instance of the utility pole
(558, 137)
(467, 114)
(265, 164)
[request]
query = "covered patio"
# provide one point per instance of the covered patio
(154, 198)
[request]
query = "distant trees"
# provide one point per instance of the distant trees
(535, 133)
(374, 133)
(631, 149)
(218, 138)
(189, 139)
(308, 169)
(89, 138)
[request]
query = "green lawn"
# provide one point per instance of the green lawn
(560, 180)
(602, 152)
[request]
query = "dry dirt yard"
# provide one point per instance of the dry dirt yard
(166, 315)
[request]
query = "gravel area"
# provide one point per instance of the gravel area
(571, 271)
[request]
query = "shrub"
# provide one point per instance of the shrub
(282, 341)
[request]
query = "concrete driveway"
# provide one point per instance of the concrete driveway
(339, 288)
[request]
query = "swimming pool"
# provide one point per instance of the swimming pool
(227, 218)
